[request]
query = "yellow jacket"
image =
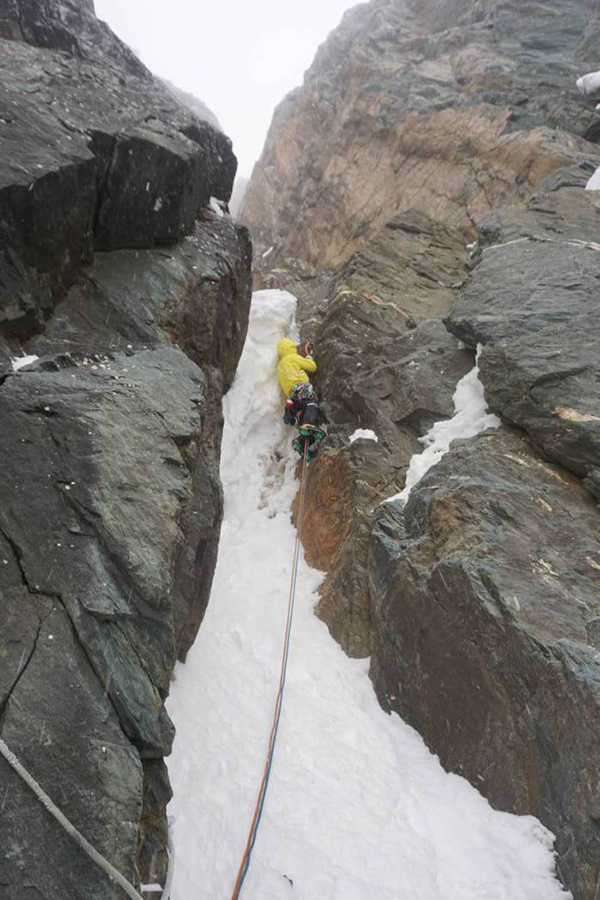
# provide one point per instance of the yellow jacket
(292, 367)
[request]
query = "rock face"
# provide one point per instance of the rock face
(487, 588)
(134, 296)
(420, 126)
(533, 305)
(386, 363)
(504, 689)
(448, 107)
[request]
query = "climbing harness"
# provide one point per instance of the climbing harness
(68, 826)
(260, 802)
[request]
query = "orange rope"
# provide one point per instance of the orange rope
(278, 700)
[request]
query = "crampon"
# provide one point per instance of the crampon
(314, 435)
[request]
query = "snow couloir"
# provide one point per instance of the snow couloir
(358, 808)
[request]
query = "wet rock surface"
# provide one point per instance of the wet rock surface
(134, 296)
(62, 726)
(485, 608)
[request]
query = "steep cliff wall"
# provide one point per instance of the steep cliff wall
(134, 296)
(478, 601)
(422, 126)
(448, 107)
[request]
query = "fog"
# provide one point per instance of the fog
(239, 58)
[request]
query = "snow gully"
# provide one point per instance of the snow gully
(358, 808)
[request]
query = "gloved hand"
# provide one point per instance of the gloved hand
(289, 418)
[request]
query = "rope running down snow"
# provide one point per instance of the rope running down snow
(260, 802)
(68, 826)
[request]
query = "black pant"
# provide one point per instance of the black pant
(305, 407)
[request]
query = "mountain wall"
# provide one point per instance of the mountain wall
(423, 195)
(133, 294)
(449, 107)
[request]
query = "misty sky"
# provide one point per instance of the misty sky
(240, 58)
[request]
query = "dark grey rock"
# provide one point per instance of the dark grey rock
(119, 515)
(570, 215)
(592, 482)
(387, 365)
(64, 730)
(90, 519)
(153, 837)
(91, 154)
(571, 177)
(532, 304)
(413, 263)
(194, 104)
(67, 25)
(110, 499)
(136, 299)
(157, 180)
(485, 639)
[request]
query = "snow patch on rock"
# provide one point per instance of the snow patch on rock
(470, 417)
(364, 434)
(21, 361)
(594, 182)
(216, 207)
(589, 84)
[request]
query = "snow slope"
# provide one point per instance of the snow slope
(357, 809)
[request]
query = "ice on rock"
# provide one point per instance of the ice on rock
(358, 808)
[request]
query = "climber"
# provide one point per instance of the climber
(301, 405)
